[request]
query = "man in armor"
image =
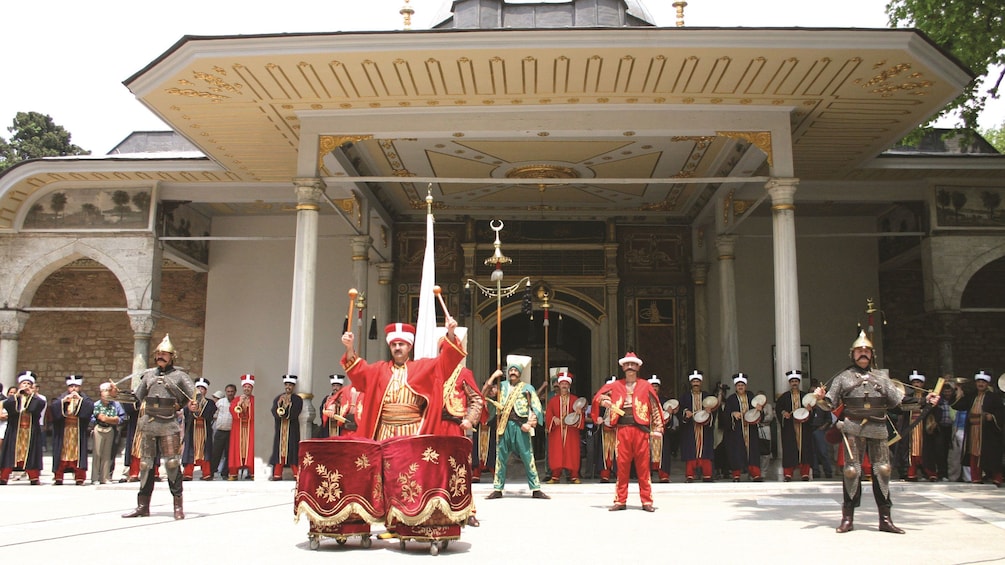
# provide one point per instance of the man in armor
(163, 390)
(867, 394)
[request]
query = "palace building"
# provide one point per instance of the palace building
(717, 198)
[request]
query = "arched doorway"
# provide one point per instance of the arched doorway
(569, 345)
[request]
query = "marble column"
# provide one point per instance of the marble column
(385, 275)
(361, 277)
(945, 326)
(301, 352)
(729, 361)
(787, 340)
(699, 276)
(11, 325)
(610, 323)
(143, 323)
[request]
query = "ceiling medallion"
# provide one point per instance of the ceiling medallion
(542, 172)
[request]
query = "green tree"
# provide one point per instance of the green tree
(121, 200)
(35, 135)
(58, 203)
(991, 200)
(974, 32)
(996, 137)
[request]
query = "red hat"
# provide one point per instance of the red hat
(400, 332)
(630, 357)
(248, 380)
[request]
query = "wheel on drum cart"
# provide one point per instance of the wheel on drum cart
(340, 541)
(314, 542)
(444, 544)
(401, 544)
(434, 548)
(367, 542)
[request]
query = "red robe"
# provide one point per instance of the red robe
(242, 436)
(425, 378)
(563, 439)
(455, 405)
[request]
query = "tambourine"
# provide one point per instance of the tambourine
(709, 403)
(752, 417)
(810, 400)
(671, 405)
(572, 418)
(800, 415)
(759, 401)
(702, 417)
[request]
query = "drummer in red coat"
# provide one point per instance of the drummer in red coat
(564, 420)
(608, 435)
(398, 395)
(636, 414)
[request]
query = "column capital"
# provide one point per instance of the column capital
(782, 192)
(726, 245)
(699, 273)
(308, 191)
(142, 322)
(361, 247)
(12, 323)
(385, 271)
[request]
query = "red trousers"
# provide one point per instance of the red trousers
(633, 447)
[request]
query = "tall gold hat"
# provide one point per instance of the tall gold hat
(862, 341)
(165, 345)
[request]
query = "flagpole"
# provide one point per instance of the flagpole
(498, 260)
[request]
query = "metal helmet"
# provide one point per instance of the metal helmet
(165, 345)
(862, 341)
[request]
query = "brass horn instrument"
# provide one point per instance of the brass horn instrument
(241, 404)
(282, 404)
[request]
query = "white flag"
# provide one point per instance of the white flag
(425, 326)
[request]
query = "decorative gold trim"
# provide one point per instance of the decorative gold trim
(726, 257)
(759, 139)
(782, 207)
(328, 143)
(307, 207)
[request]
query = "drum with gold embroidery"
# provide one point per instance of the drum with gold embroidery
(427, 485)
(340, 488)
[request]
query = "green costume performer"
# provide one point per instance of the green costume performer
(517, 410)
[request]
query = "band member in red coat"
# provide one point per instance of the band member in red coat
(563, 437)
(636, 413)
(242, 434)
(398, 395)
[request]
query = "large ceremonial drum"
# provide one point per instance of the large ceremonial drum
(340, 483)
(427, 481)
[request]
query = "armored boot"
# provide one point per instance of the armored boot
(179, 512)
(847, 519)
(142, 507)
(885, 523)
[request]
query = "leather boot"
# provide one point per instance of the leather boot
(885, 523)
(142, 507)
(179, 512)
(847, 519)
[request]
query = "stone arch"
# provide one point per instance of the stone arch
(483, 327)
(136, 286)
(982, 256)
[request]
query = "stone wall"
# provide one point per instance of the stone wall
(99, 345)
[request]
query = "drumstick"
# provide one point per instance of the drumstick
(437, 291)
(352, 306)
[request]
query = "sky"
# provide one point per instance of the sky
(68, 58)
